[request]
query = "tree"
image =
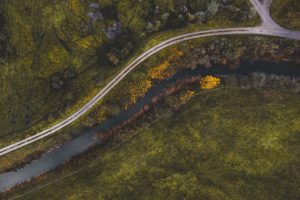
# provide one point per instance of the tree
(209, 82)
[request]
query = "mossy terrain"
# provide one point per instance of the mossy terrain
(58, 54)
(223, 144)
(208, 52)
(287, 13)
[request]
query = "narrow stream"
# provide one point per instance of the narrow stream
(50, 161)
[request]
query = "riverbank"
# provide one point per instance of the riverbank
(213, 51)
(231, 78)
(78, 145)
(82, 60)
(192, 140)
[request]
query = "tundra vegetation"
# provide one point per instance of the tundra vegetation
(217, 144)
(220, 144)
(55, 55)
(287, 13)
(208, 52)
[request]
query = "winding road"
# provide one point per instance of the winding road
(268, 28)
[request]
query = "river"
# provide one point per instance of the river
(78, 145)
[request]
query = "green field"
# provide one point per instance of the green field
(287, 13)
(223, 144)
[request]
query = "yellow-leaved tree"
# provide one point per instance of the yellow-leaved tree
(138, 90)
(158, 71)
(209, 82)
(76, 7)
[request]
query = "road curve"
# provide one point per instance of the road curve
(268, 28)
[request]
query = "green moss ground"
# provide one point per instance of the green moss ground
(47, 40)
(114, 102)
(223, 144)
(287, 13)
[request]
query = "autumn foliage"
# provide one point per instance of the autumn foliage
(166, 68)
(138, 90)
(158, 72)
(76, 7)
(186, 96)
(209, 82)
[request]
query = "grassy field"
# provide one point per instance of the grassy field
(287, 13)
(223, 144)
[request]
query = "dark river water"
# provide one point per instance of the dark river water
(51, 160)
